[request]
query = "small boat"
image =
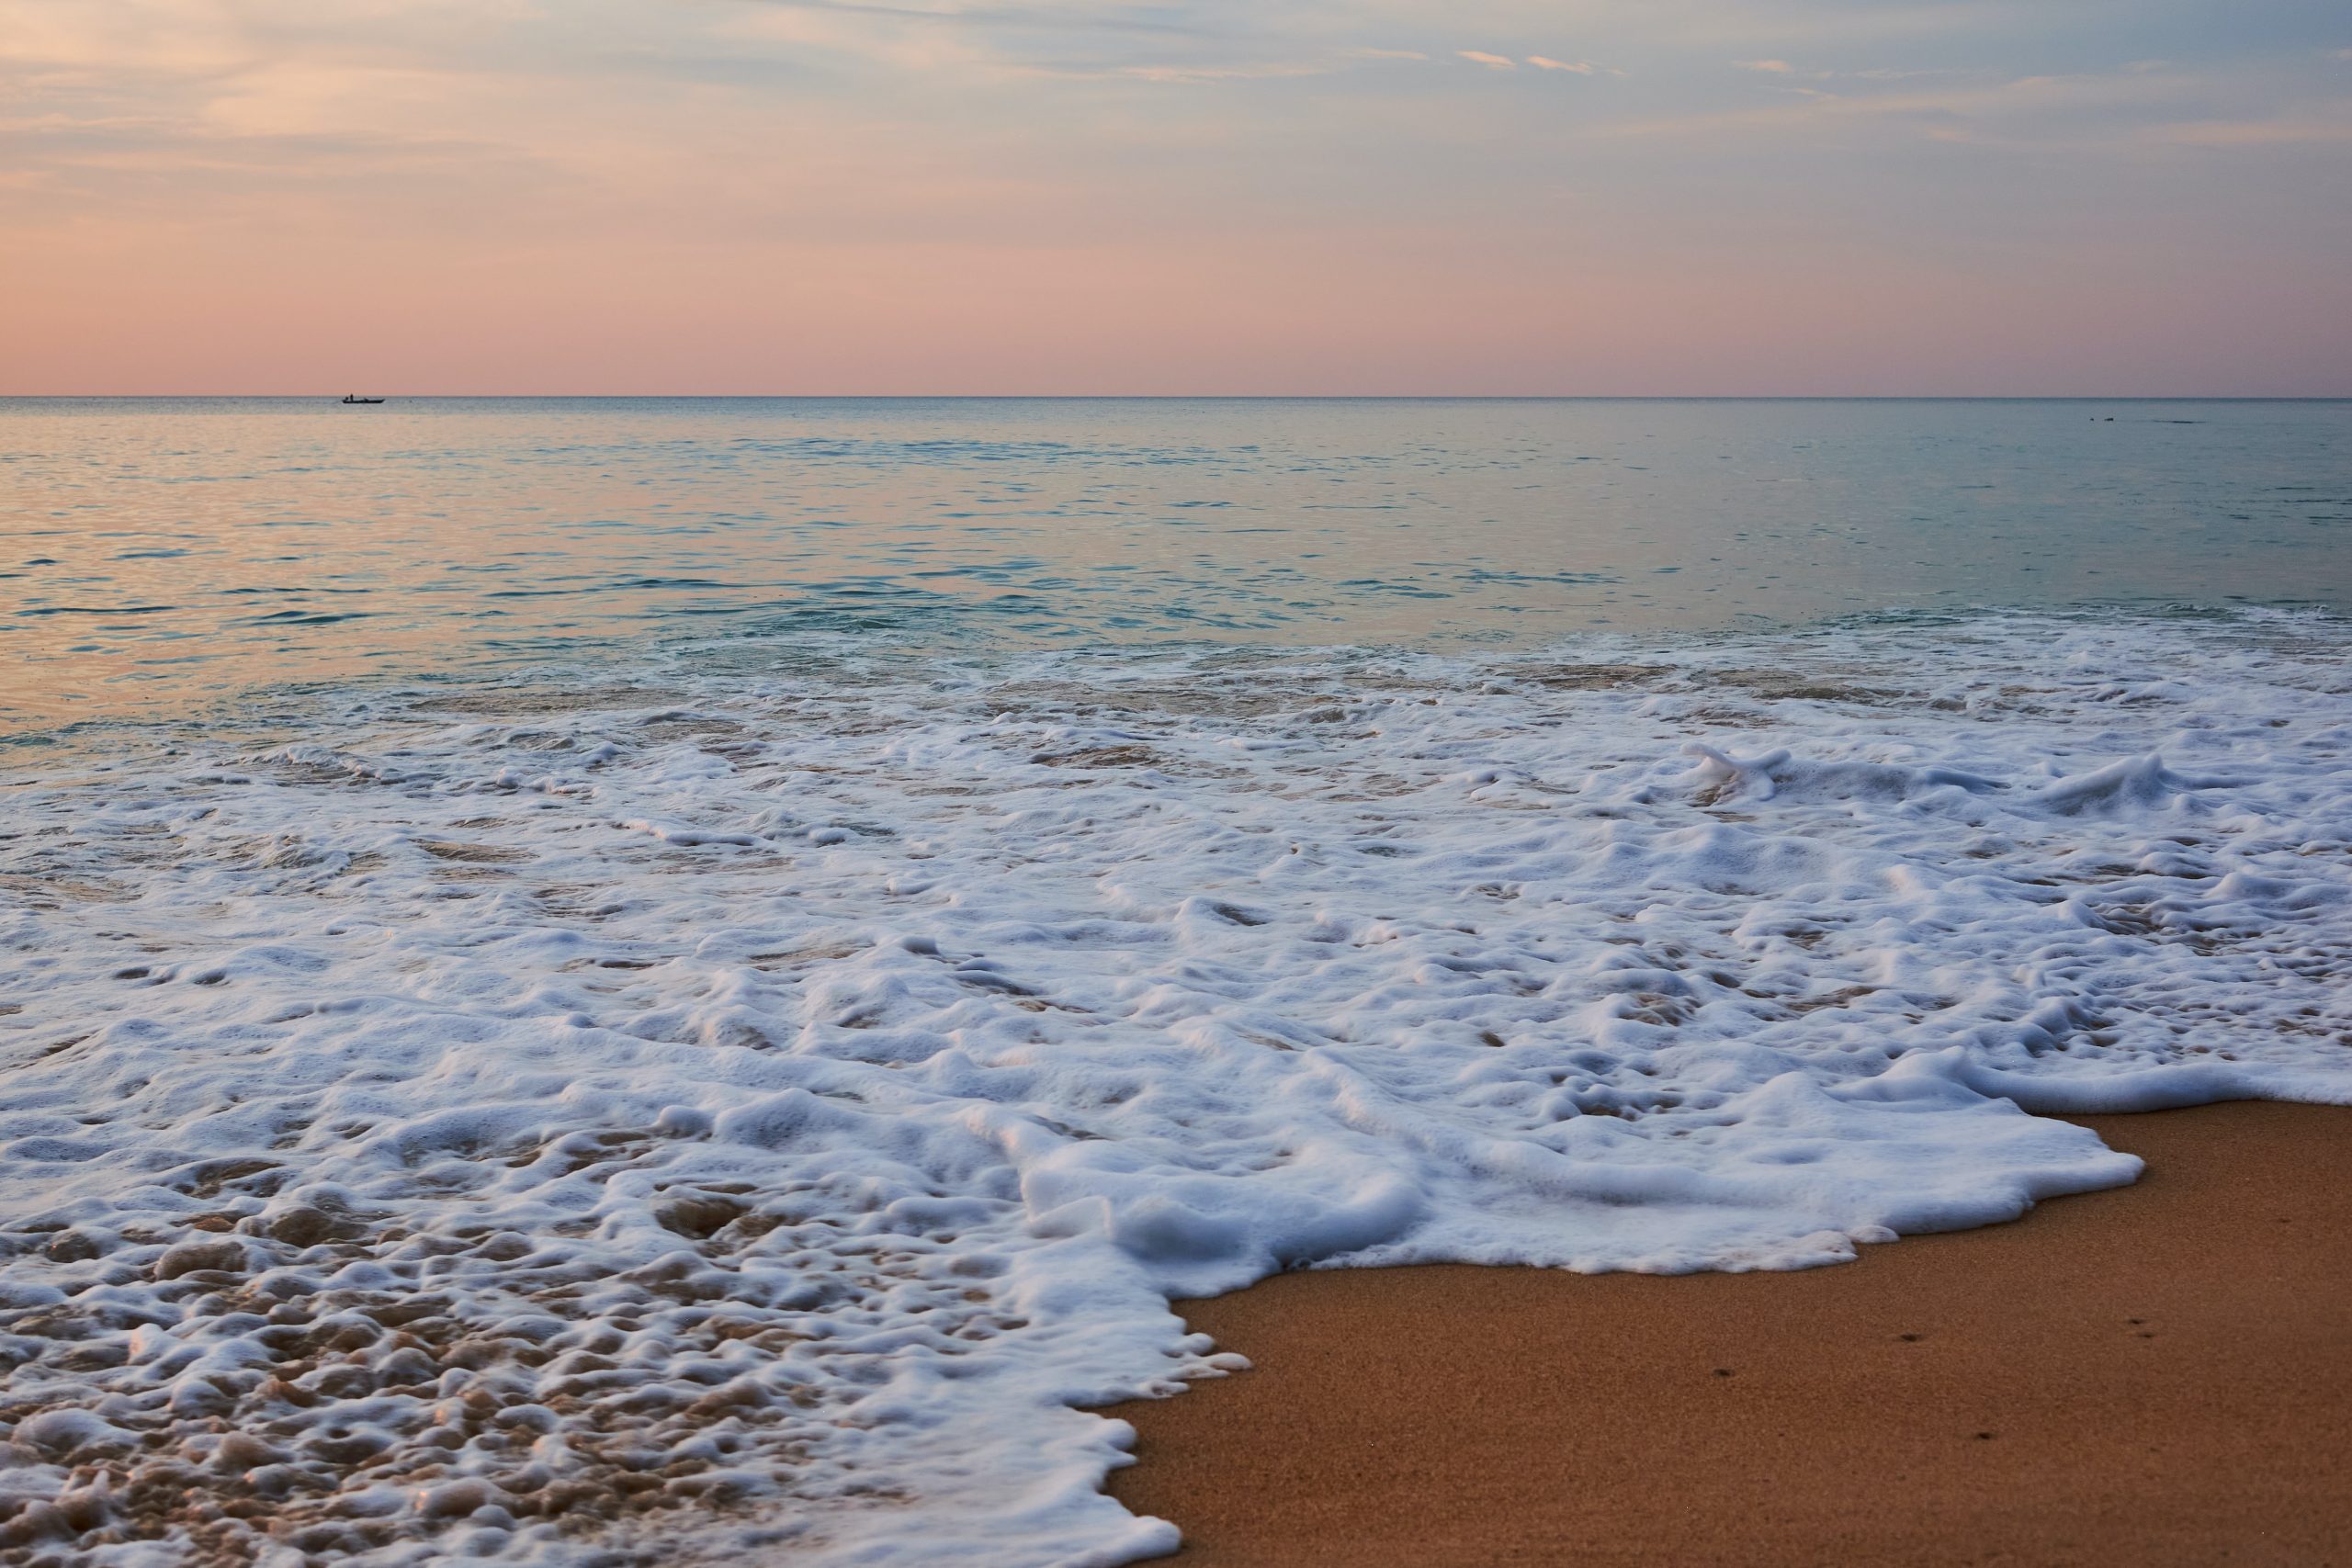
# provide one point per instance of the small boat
(349, 397)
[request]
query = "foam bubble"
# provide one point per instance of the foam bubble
(540, 1129)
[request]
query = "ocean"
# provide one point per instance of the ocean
(603, 980)
(157, 554)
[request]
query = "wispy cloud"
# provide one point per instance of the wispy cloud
(2309, 131)
(1055, 17)
(1261, 71)
(872, 187)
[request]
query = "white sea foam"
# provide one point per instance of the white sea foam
(761, 1111)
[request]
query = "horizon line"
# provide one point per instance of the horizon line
(1210, 397)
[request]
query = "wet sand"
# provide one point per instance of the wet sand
(2160, 1374)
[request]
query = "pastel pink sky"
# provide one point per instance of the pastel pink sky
(2130, 197)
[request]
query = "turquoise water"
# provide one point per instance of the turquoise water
(159, 555)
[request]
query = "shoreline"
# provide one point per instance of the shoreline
(2159, 1373)
(907, 1045)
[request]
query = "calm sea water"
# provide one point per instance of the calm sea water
(161, 555)
(945, 1018)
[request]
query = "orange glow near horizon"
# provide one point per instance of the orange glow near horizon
(1807, 197)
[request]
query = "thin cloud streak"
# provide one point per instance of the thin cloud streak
(1057, 20)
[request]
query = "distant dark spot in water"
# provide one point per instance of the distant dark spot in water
(1984, 1437)
(1722, 1372)
(1908, 1338)
(303, 618)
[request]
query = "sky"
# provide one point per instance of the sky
(1215, 196)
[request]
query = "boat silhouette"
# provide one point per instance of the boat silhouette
(349, 397)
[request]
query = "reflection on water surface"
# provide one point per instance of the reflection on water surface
(156, 554)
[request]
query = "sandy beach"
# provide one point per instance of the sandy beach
(2156, 1374)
